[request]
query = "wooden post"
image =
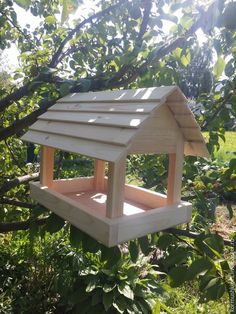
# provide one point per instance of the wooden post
(175, 173)
(99, 174)
(46, 165)
(116, 188)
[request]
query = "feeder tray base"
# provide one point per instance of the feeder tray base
(144, 211)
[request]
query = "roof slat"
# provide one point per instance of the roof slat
(191, 134)
(196, 149)
(121, 120)
(148, 94)
(185, 120)
(140, 108)
(120, 136)
(67, 143)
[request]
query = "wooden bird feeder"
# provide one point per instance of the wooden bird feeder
(108, 126)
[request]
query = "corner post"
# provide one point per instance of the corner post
(46, 165)
(99, 174)
(175, 171)
(116, 188)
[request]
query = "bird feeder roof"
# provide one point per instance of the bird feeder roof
(108, 124)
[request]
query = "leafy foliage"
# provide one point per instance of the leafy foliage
(120, 44)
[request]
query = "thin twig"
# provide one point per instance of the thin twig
(13, 157)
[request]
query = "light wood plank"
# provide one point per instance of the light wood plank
(175, 173)
(185, 120)
(88, 148)
(46, 165)
(140, 108)
(107, 134)
(99, 174)
(192, 134)
(116, 188)
(131, 227)
(148, 94)
(73, 185)
(78, 214)
(178, 107)
(144, 196)
(196, 149)
(122, 120)
(176, 95)
(158, 134)
(110, 232)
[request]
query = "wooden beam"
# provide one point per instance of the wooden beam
(46, 165)
(99, 174)
(116, 188)
(175, 173)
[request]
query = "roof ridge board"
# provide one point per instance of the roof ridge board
(141, 94)
(118, 101)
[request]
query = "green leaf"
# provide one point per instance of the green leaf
(216, 242)
(164, 241)
(120, 304)
(109, 287)
(134, 251)
(230, 210)
(65, 89)
(25, 4)
(198, 267)
(93, 283)
(107, 300)
(185, 59)
(126, 291)
(177, 256)
(177, 275)
(89, 244)
(76, 236)
(145, 308)
(157, 308)
(205, 248)
(144, 244)
(85, 85)
(54, 223)
(111, 255)
(215, 289)
(219, 67)
(50, 19)
(96, 297)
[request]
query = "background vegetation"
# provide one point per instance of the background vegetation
(47, 265)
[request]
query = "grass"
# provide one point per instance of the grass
(185, 300)
(227, 149)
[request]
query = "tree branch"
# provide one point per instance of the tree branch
(26, 121)
(20, 225)
(24, 225)
(192, 235)
(10, 184)
(13, 202)
(24, 90)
